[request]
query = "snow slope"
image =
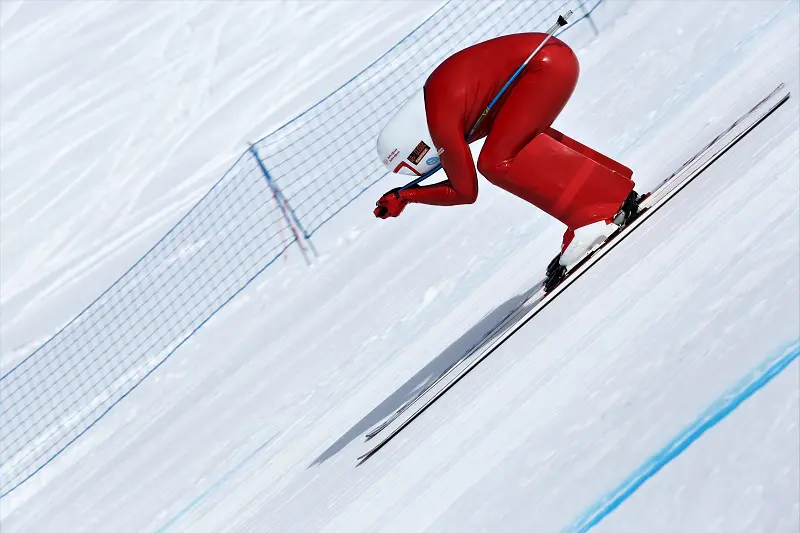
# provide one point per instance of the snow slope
(255, 424)
(118, 116)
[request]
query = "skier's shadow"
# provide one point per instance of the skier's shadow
(480, 332)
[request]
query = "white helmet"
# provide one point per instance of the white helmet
(405, 145)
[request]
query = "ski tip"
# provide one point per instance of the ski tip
(364, 456)
(371, 434)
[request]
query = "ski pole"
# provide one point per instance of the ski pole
(560, 22)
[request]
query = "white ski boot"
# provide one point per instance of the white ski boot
(585, 240)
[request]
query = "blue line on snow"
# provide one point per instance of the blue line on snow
(721, 408)
(202, 496)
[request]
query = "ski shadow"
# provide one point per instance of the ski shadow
(481, 332)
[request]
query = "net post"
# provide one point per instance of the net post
(286, 211)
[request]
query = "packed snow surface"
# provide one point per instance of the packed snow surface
(117, 117)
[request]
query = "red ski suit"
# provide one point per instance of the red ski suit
(550, 170)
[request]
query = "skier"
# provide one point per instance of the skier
(587, 191)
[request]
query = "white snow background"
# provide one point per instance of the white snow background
(118, 116)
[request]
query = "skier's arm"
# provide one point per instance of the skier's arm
(461, 187)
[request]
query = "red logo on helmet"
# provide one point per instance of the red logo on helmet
(418, 153)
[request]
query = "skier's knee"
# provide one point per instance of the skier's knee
(484, 165)
(491, 169)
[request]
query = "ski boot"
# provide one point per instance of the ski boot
(581, 243)
(556, 273)
(629, 210)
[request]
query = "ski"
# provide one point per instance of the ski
(510, 318)
(651, 203)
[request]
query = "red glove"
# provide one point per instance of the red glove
(390, 204)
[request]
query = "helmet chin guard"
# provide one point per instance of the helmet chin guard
(405, 145)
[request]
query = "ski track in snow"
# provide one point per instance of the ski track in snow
(116, 117)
